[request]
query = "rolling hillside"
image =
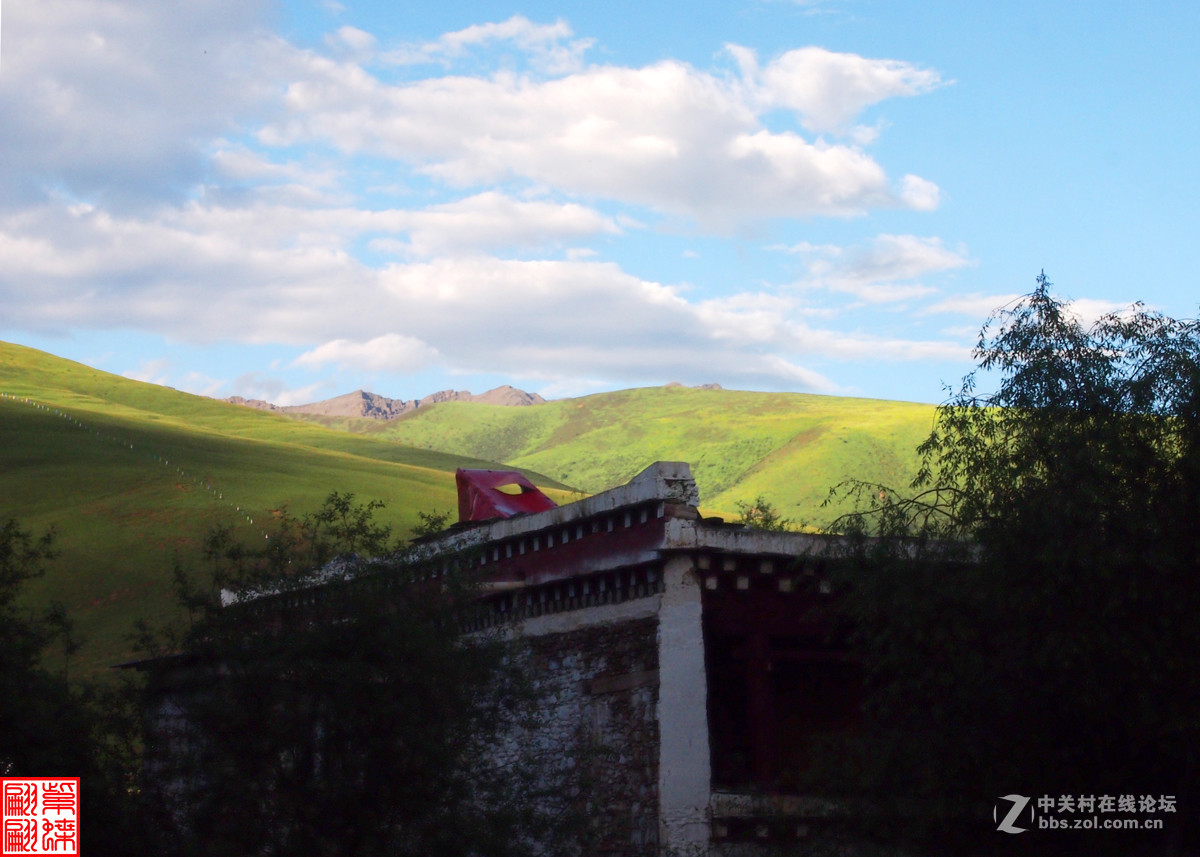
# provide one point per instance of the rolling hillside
(788, 447)
(132, 476)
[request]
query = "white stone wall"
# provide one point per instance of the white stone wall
(597, 675)
(684, 773)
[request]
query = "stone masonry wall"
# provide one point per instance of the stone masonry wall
(600, 688)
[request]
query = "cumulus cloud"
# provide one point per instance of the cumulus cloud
(392, 352)
(550, 45)
(243, 276)
(84, 267)
(975, 305)
(201, 384)
(828, 90)
(119, 102)
(919, 194)
(154, 371)
(108, 100)
(253, 385)
(666, 136)
(160, 370)
(245, 173)
(491, 221)
(352, 42)
(1087, 311)
(157, 177)
(882, 270)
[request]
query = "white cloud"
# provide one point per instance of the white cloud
(201, 384)
(880, 271)
(120, 103)
(155, 371)
(973, 305)
(667, 136)
(549, 45)
(920, 194)
(518, 29)
(491, 221)
(240, 164)
(114, 100)
(964, 332)
(901, 257)
(283, 276)
(865, 135)
(982, 307)
(391, 352)
(828, 90)
(353, 43)
(252, 385)
(1089, 310)
(130, 197)
(571, 387)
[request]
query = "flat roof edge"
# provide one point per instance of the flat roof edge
(662, 481)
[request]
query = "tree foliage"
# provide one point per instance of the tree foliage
(340, 710)
(430, 523)
(1044, 641)
(22, 558)
(29, 694)
(50, 726)
(761, 514)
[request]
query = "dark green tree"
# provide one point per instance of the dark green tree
(1028, 616)
(51, 726)
(341, 710)
(28, 743)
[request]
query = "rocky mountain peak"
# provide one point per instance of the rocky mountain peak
(364, 404)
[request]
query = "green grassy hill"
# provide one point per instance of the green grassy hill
(789, 447)
(132, 476)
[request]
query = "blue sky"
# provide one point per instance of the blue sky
(293, 200)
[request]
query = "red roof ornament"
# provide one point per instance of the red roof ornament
(480, 495)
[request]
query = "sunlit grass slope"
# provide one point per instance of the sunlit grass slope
(790, 448)
(132, 476)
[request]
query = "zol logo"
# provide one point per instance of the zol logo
(39, 815)
(1008, 824)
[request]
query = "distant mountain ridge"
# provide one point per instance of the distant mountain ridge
(131, 475)
(789, 447)
(362, 404)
